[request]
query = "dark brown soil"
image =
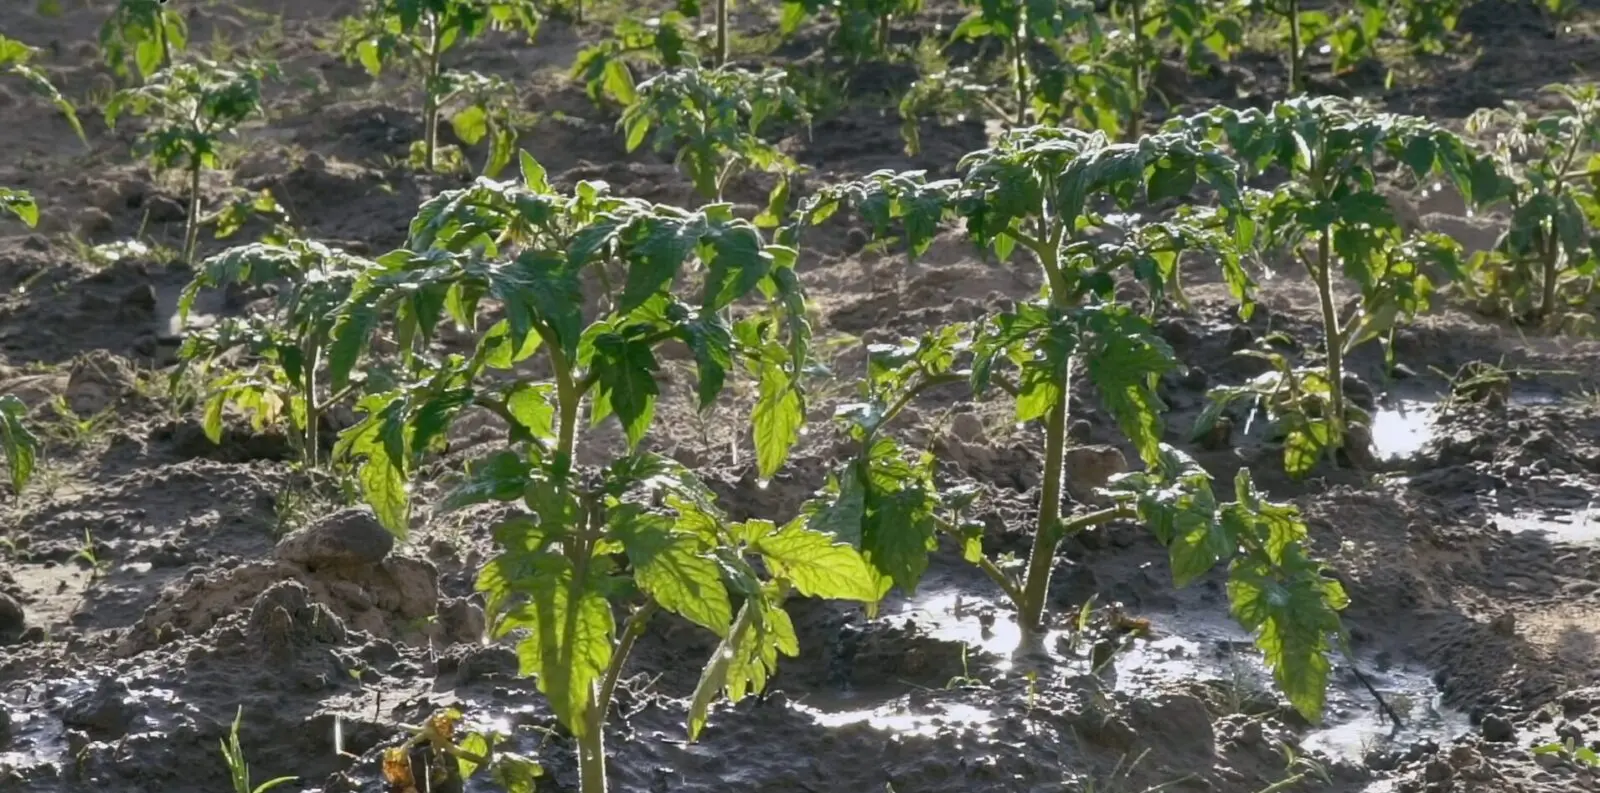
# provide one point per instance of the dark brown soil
(1472, 555)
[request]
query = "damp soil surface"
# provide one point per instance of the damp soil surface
(146, 595)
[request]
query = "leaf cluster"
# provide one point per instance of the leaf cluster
(607, 68)
(1550, 165)
(416, 33)
(145, 32)
(714, 118)
(861, 27)
(189, 107)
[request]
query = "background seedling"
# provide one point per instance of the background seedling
(284, 380)
(417, 34)
(149, 33)
(607, 68)
(713, 119)
(864, 26)
(188, 109)
(1330, 215)
(1544, 268)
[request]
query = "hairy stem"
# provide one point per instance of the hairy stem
(1294, 48)
(1323, 272)
(1030, 611)
(1552, 276)
(311, 354)
(1136, 124)
(632, 629)
(592, 742)
(1019, 66)
(722, 33)
(430, 99)
(191, 233)
(883, 34)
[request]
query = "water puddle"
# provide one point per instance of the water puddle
(905, 719)
(1403, 428)
(1577, 527)
(982, 625)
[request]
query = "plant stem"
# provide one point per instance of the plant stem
(166, 42)
(1030, 612)
(1294, 47)
(722, 33)
(1552, 273)
(191, 233)
(311, 354)
(1019, 67)
(632, 629)
(592, 761)
(1323, 272)
(1136, 124)
(883, 35)
(430, 99)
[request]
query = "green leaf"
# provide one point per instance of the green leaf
(381, 472)
(514, 773)
(626, 383)
(817, 565)
(471, 124)
(777, 419)
(570, 637)
(745, 660)
(1293, 611)
(501, 476)
(20, 445)
(20, 204)
(675, 569)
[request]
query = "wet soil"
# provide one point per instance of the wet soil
(147, 591)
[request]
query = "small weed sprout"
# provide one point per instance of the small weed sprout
(238, 769)
(189, 108)
(416, 35)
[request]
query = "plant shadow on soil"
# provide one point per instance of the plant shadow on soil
(1468, 549)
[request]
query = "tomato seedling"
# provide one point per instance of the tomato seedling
(1330, 215)
(1040, 190)
(1544, 268)
(188, 109)
(713, 118)
(417, 34)
(15, 60)
(607, 68)
(863, 25)
(284, 380)
(631, 529)
(146, 32)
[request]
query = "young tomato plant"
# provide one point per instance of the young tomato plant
(1021, 27)
(147, 32)
(606, 68)
(485, 109)
(188, 109)
(632, 530)
(16, 60)
(1039, 190)
(283, 379)
(714, 118)
(953, 92)
(417, 34)
(1330, 215)
(864, 25)
(1545, 267)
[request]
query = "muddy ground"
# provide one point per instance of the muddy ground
(142, 600)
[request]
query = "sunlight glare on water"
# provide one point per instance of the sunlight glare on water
(1402, 430)
(896, 717)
